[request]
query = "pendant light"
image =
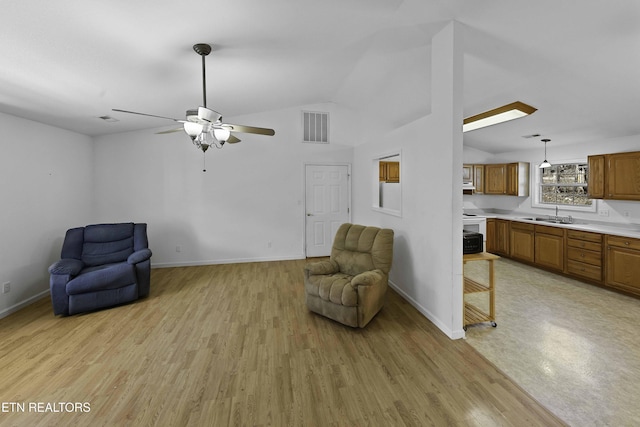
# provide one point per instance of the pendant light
(545, 164)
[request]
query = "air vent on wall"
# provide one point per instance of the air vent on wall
(315, 127)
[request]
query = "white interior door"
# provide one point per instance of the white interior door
(327, 204)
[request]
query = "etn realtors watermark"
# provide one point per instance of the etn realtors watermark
(44, 407)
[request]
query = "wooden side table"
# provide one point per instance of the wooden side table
(472, 313)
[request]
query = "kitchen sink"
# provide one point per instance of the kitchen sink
(551, 220)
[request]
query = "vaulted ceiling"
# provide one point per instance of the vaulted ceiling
(577, 61)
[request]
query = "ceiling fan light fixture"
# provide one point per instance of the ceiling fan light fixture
(508, 112)
(208, 115)
(221, 134)
(192, 129)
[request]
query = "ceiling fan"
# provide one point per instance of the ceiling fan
(204, 125)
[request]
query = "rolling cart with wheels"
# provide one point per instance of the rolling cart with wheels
(472, 313)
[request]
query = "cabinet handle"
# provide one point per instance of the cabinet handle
(626, 243)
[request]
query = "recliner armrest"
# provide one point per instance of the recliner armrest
(367, 278)
(321, 267)
(139, 256)
(68, 266)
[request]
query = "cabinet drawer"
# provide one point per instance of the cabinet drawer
(522, 226)
(581, 244)
(584, 235)
(587, 271)
(554, 231)
(581, 255)
(623, 242)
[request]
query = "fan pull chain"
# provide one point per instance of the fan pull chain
(204, 162)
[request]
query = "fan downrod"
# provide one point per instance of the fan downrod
(202, 49)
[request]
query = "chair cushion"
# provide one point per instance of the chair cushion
(335, 288)
(100, 278)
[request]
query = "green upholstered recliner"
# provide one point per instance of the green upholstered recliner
(350, 286)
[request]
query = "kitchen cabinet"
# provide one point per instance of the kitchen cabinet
(549, 247)
(609, 260)
(472, 312)
(496, 179)
(615, 176)
(584, 255)
(490, 238)
(622, 176)
(467, 173)
(389, 171)
(518, 179)
(623, 263)
(595, 180)
(498, 236)
(522, 241)
(478, 179)
(510, 179)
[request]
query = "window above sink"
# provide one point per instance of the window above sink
(563, 184)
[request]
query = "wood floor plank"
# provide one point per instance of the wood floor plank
(235, 345)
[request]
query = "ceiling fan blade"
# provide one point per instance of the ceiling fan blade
(148, 115)
(233, 139)
(248, 129)
(169, 131)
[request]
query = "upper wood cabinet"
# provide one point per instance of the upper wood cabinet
(615, 176)
(510, 179)
(595, 179)
(495, 179)
(478, 178)
(473, 174)
(622, 176)
(389, 171)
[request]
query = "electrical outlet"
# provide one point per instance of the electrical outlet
(178, 248)
(603, 212)
(626, 214)
(269, 244)
(6, 287)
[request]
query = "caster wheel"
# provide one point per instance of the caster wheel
(494, 324)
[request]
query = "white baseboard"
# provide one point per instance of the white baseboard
(426, 313)
(23, 304)
(224, 261)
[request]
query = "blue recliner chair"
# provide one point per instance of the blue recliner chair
(102, 265)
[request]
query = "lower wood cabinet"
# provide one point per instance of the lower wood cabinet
(522, 241)
(584, 255)
(623, 263)
(498, 236)
(612, 261)
(549, 247)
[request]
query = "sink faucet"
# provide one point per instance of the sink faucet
(556, 212)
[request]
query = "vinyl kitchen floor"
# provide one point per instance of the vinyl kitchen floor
(574, 347)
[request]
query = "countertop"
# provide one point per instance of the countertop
(624, 230)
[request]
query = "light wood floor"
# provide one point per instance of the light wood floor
(235, 345)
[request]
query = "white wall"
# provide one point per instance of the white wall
(557, 154)
(249, 204)
(427, 266)
(46, 175)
